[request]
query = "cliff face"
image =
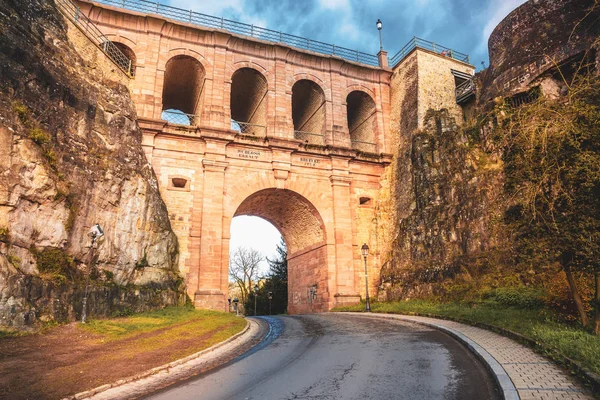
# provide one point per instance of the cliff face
(454, 183)
(70, 157)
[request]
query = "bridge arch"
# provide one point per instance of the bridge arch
(183, 89)
(304, 232)
(361, 112)
(308, 107)
(248, 101)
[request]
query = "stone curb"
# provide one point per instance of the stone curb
(243, 335)
(584, 375)
(509, 391)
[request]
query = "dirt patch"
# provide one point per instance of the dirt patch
(69, 359)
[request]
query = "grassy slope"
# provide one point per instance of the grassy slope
(558, 339)
(67, 359)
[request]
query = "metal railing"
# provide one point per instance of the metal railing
(465, 90)
(367, 147)
(310, 138)
(209, 21)
(416, 42)
(74, 14)
(180, 118)
(246, 128)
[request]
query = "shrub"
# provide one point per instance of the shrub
(520, 297)
(55, 264)
(39, 136)
(4, 234)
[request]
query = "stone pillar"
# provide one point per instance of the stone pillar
(345, 289)
(212, 288)
(383, 58)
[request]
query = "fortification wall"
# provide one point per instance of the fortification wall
(535, 37)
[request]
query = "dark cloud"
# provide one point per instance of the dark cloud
(458, 24)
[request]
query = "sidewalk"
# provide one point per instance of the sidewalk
(521, 373)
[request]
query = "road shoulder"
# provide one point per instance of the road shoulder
(157, 378)
(519, 371)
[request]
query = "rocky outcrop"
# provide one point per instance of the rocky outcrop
(70, 157)
(454, 188)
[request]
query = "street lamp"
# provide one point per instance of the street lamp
(94, 233)
(255, 296)
(270, 298)
(379, 26)
(365, 252)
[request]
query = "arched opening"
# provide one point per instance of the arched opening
(257, 258)
(130, 54)
(304, 233)
(308, 111)
(183, 89)
(362, 121)
(249, 102)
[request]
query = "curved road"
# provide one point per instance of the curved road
(332, 356)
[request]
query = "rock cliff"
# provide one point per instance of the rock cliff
(453, 181)
(70, 157)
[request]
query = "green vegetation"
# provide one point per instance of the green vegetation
(551, 155)
(4, 235)
(38, 135)
(172, 326)
(55, 264)
(554, 338)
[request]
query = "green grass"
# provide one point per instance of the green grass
(7, 333)
(138, 324)
(555, 339)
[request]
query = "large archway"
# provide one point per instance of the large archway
(303, 230)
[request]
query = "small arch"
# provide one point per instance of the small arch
(308, 107)
(248, 101)
(183, 88)
(130, 54)
(362, 121)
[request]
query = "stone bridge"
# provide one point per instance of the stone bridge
(239, 126)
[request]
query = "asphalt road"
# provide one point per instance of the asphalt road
(330, 356)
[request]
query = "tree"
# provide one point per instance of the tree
(552, 170)
(276, 283)
(278, 279)
(243, 270)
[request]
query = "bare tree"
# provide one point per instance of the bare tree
(243, 269)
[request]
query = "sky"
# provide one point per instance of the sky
(463, 25)
(257, 234)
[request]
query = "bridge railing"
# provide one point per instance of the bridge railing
(416, 42)
(246, 128)
(73, 13)
(209, 21)
(180, 118)
(310, 138)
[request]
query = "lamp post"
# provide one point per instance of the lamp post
(379, 26)
(270, 298)
(365, 252)
(255, 296)
(94, 233)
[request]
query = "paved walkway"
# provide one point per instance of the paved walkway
(521, 373)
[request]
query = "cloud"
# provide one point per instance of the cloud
(334, 4)
(496, 12)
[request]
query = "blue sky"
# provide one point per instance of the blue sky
(463, 25)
